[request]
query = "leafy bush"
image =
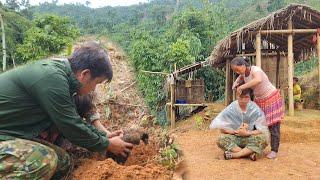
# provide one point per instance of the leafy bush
(304, 67)
(49, 35)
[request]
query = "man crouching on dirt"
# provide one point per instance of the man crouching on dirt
(244, 128)
(39, 95)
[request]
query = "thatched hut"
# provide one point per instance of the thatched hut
(274, 43)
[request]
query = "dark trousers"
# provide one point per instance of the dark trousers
(275, 136)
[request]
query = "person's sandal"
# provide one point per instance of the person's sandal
(253, 156)
(227, 155)
(272, 155)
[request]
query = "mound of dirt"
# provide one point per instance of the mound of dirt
(143, 154)
(108, 169)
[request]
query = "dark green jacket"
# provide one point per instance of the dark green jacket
(38, 95)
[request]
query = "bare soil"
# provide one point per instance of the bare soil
(108, 169)
(298, 157)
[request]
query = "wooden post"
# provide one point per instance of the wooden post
(173, 101)
(318, 52)
(258, 50)
(234, 92)
(228, 93)
(290, 70)
(278, 70)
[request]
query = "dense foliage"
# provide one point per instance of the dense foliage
(15, 27)
(33, 39)
(49, 35)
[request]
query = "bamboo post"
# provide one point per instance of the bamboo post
(258, 50)
(278, 70)
(226, 92)
(234, 92)
(4, 54)
(172, 107)
(290, 70)
(318, 52)
(228, 88)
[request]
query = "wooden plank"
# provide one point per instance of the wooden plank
(258, 50)
(290, 71)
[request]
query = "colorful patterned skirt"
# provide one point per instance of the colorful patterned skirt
(273, 107)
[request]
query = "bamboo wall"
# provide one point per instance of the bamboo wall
(269, 66)
(191, 91)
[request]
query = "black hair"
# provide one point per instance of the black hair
(240, 61)
(91, 56)
(84, 105)
(246, 92)
(296, 79)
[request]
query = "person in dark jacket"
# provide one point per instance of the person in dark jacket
(39, 95)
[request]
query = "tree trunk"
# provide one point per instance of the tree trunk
(4, 55)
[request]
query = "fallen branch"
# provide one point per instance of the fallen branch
(151, 72)
(128, 86)
(122, 104)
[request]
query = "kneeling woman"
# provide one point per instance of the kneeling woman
(244, 128)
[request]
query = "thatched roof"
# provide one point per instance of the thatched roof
(303, 17)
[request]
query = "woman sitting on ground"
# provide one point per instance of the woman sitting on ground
(244, 128)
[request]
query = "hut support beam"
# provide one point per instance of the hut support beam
(173, 101)
(228, 90)
(258, 50)
(318, 53)
(278, 70)
(289, 31)
(290, 70)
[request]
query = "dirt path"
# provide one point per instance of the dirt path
(299, 156)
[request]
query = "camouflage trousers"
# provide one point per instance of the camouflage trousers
(25, 159)
(256, 143)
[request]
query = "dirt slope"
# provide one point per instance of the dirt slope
(121, 106)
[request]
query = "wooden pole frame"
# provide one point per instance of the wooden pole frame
(288, 31)
(258, 50)
(290, 70)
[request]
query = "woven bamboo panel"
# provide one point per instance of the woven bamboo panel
(190, 91)
(269, 66)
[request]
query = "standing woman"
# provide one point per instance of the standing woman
(266, 96)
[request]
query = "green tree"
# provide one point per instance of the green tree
(49, 35)
(274, 5)
(179, 54)
(13, 4)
